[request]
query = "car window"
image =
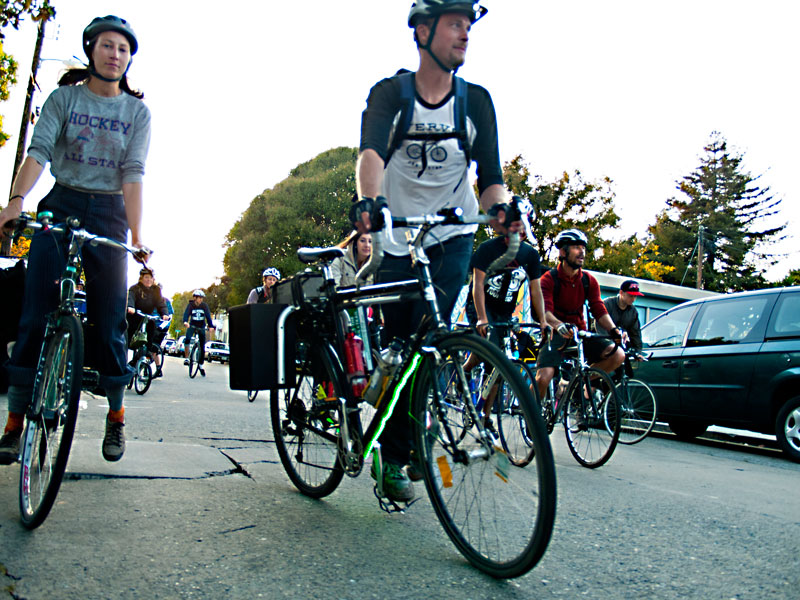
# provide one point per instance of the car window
(668, 330)
(731, 321)
(786, 317)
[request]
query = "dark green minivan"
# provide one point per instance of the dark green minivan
(730, 360)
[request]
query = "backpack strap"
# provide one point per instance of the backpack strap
(408, 95)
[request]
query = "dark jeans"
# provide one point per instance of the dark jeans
(201, 336)
(106, 273)
(449, 265)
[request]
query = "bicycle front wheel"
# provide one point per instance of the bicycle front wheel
(638, 411)
(143, 375)
(194, 361)
(51, 421)
(591, 417)
(511, 423)
(500, 517)
(305, 422)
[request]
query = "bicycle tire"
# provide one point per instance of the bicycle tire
(251, 395)
(511, 423)
(585, 421)
(306, 426)
(143, 375)
(50, 427)
(638, 409)
(499, 517)
(194, 361)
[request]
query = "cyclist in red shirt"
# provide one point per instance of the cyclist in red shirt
(564, 298)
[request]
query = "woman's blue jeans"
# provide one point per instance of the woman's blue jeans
(105, 270)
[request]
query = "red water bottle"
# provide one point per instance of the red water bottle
(354, 357)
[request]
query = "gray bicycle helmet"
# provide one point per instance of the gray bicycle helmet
(571, 236)
(108, 23)
(271, 271)
(434, 8)
(200, 293)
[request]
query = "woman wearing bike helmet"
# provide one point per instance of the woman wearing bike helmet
(94, 130)
(263, 293)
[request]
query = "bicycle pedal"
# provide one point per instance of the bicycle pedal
(390, 506)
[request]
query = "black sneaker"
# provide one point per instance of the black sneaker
(202, 371)
(158, 373)
(185, 362)
(9, 447)
(114, 441)
(396, 484)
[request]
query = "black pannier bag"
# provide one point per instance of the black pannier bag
(262, 345)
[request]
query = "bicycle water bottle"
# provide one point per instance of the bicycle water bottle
(387, 363)
(354, 357)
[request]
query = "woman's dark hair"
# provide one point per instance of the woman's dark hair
(76, 76)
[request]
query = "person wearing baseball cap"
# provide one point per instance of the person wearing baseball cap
(621, 309)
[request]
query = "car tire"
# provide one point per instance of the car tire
(687, 430)
(787, 428)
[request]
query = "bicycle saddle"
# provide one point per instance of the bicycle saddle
(312, 255)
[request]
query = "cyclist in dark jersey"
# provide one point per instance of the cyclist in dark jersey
(195, 318)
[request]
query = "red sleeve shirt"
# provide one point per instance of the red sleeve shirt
(568, 306)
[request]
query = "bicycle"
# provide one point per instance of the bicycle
(194, 354)
(587, 404)
(637, 401)
(60, 377)
(323, 430)
(143, 350)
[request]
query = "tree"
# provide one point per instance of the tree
(11, 13)
(566, 203)
(308, 208)
(726, 202)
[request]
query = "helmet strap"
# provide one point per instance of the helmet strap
(94, 73)
(427, 48)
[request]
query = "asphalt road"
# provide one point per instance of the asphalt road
(200, 507)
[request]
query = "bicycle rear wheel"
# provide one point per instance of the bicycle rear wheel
(591, 417)
(143, 375)
(638, 411)
(511, 423)
(51, 420)
(498, 516)
(194, 360)
(305, 421)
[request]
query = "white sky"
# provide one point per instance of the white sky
(624, 88)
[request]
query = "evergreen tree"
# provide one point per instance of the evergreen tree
(729, 206)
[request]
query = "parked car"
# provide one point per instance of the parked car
(178, 349)
(731, 360)
(168, 345)
(217, 351)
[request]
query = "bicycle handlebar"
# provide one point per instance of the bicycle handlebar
(422, 223)
(73, 225)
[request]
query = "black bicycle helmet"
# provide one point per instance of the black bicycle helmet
(108, 23)
(423, 9)
(571, 236)
(146, 271)
(434, 8)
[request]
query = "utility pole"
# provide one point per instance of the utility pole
(26, 118)
(700, 257)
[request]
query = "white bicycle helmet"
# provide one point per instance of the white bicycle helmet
(571, 236)
(200, 293)
(271, 271)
